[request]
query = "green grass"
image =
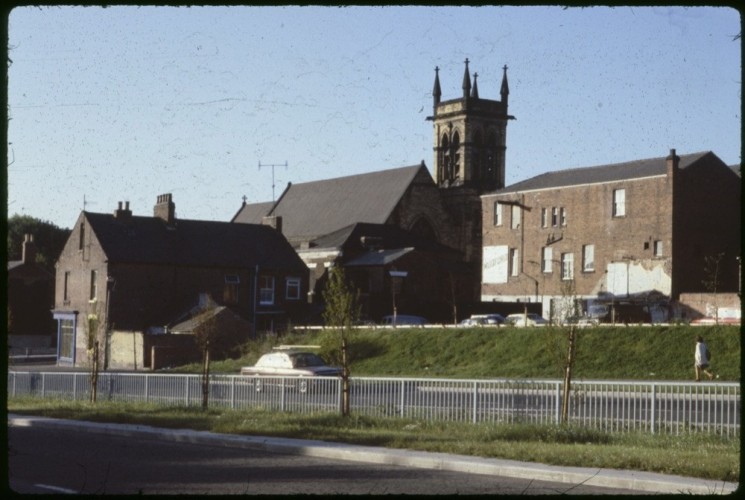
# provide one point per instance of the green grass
(692, 455)
(625, 353)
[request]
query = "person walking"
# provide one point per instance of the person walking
(702, 357)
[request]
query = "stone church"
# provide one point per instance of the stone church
(469, 160)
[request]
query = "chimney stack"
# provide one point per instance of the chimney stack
(165, 209)
(672, 162)
(123, 213)
(29, 249)
(273, 221)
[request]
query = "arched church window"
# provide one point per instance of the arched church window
(444, 159)
(455, 155)
(424, 229)
(477, 155)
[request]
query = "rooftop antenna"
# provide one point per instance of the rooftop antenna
(86, 203)
(273, 165)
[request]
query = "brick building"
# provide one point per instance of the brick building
(30, 298)
(640, 232)
(126, 278)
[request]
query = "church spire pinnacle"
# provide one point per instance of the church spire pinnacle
(505, 91)
(466, 82)
(436, 92)
(475, 90)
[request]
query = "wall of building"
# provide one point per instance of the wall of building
(624, 260)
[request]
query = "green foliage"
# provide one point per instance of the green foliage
(342, 308)
(49, 239)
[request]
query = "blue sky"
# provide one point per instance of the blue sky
(126, 103)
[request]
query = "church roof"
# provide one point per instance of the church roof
(313, 209)
(636, 169)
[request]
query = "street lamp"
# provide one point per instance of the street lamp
(396, 279)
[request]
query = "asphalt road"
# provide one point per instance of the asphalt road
(56, 460)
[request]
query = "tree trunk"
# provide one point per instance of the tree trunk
(94, 373)
(205, 378)
(344, 378)
(568, 377)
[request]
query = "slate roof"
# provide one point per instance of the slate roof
(378, 257)
(191, 242)
(312, 209)
(603, 173)
(390, 237)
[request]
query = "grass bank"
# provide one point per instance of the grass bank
(691, 455)
(623, 353)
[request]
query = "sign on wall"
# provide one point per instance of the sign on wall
(494, 267)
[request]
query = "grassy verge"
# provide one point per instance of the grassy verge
(691, 455)
(624, 353)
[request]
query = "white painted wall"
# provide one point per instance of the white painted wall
(495, 264)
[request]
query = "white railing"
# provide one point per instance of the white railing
(655, 407)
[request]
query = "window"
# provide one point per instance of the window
(588, 258)
(497, 213)
(515, 216)
(67, 339)
(94, 286)
(567, 266)
(563, 217)
(554, 217)
(266, 290)
(230, 291)
(292, 289)
(514, 262)
(544, 217)
(547, 256)
(619, 202)
(658, 248)
(65, 291)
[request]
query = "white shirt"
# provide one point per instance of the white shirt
(702, 352)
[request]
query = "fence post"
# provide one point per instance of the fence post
(653, 414)
(475, 401)
(232, 392)
(43, 381)
(147, 387)
(403, 396)
(186, 391)
(557, 413)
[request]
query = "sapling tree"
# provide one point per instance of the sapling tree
(206, 334)
(712, 265)
(342, 312)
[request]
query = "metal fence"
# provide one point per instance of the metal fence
(655, 407)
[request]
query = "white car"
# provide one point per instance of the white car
(291, 364)
(529, 319)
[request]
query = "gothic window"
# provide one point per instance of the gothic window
(455, 155)
(445, 172)
(424, 229)
(478, 155)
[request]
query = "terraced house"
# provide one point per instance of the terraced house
(641, 233)
(133, 282)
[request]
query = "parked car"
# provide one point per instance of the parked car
(483, 320)
(290, 363)
(404, 319)
(490, 319)
(529, 319)
(580, 321)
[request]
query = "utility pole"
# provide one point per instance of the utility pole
(272, 165)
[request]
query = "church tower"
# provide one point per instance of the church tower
(470, 136)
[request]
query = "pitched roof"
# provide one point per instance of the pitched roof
(316, 208)
(191, 242)
(603, 173)
(388, 235)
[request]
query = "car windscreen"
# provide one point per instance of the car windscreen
(305, 359)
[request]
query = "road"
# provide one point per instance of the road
(57, 460)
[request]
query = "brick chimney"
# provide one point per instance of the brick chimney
(123, 214)
(165, 209)
(29, 249)
(273, 221)
(672, 162)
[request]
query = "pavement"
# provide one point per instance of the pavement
(611, 478)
